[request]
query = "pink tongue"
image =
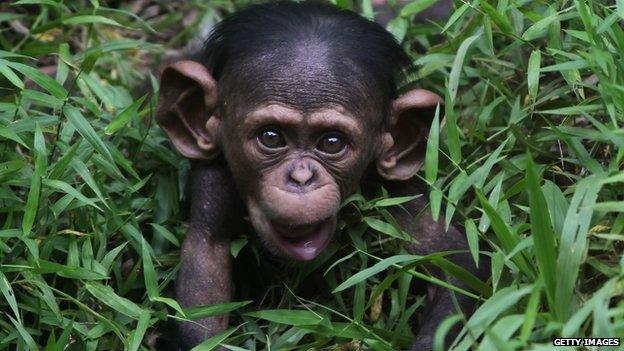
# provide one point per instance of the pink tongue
(309, 249)
(304, 242)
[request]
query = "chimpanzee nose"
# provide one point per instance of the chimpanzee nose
(303, 174)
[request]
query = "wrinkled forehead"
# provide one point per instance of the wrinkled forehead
(304, 77)
(332, 117)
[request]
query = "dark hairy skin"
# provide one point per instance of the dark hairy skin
(204, 276)
(292, 106)
(415, 218)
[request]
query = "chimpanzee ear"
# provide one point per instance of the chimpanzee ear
(404, 143)
(186, 104)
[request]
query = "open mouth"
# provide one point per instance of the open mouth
(304, 241)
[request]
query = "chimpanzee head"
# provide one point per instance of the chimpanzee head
(300, 99)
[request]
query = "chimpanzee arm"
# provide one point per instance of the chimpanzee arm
(415, 218)
(205, 273)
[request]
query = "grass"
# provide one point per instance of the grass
(529, 162)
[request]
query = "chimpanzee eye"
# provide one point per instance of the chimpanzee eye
(271, 138)
(331, 143)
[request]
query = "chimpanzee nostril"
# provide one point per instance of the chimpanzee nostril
(302, 175)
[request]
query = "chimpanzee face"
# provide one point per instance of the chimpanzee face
(299, 114)
(302, 144)
(292, 169)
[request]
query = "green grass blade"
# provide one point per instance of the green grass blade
(507, 238)
(573, 243)
(214, 342)
(9, 296)
(458, 64)
(289, 317)
(107, 296)
(43, 80)
(533, 74)
(541, 231)
(32, 203)
(369, 272)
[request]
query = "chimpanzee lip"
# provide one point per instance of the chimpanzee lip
(303, 242)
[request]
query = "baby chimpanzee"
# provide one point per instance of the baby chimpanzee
(290, 106)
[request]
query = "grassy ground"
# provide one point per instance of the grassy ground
(93, 203)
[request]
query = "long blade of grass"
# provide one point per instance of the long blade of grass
(573, 243)
(541, 231)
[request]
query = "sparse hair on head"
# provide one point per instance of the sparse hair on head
(265, 45)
